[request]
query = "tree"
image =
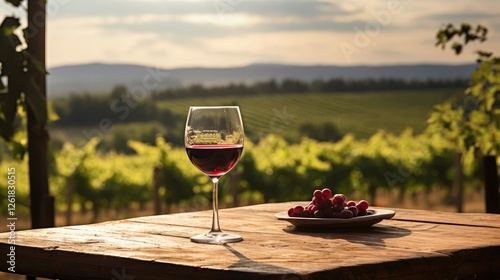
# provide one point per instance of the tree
(23, 69)
(474, 126)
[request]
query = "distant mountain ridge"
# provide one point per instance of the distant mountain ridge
(101, 78)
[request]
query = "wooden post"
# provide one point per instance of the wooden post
(459, 182)
(234, 185)
(156, 189)
(490, 175)
(69, 199)
(372, 193)
(42, 206)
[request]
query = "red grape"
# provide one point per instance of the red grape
(320, 203)
(327, 193)
(354, 210)
(346, 214)
(338, 199)
(313, 208)
(319, 214)
(337, 208)
(318, 194)
(328, 203)
(328, 211)
(363, 204)
(324, 204)
(306, 214)
(362, 212)
(298, 209)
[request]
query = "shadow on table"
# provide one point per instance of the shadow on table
(246, 264)
(370, 236)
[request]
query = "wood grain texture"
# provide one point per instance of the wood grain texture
(415, 244)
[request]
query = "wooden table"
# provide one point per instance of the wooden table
(415, 244)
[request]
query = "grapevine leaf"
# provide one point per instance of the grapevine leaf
(490, 98)
(17, 149)
(6, 130)
(457, 48)
(9, 25)
(484, 55)
(8, 104)
(465, 28)
(16, 3)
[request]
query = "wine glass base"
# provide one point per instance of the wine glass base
(216, 238)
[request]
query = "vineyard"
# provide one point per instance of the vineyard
(271, 170)
(361, 113)
(375, 152)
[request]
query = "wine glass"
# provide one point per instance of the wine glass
(214, 143)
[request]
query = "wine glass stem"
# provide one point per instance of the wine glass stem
(215, 205)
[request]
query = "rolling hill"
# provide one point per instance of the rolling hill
(101, 78)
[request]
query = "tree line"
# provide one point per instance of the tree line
(333, 85)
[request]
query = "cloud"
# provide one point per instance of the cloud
(460, 17)
(189, 21)
(298, 8)
(236, 32)
(218, 30)
(106, 8)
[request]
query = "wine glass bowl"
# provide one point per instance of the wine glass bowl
(214, 139)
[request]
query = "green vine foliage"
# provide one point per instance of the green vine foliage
(18, 88)
(473, 125)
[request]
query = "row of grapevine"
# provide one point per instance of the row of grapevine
(272, 170)
(349, 112)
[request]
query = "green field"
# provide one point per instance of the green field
(359, 113)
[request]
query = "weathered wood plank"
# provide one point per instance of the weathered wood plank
(158, 247)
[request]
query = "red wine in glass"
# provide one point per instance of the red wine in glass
(214, 160)
(214, 138)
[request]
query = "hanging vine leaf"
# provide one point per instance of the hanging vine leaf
(16, 3)
(465, 32)
(6, 130)
(18, 87)
(12, 65)
(9, 25)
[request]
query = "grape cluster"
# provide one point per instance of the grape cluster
(326, 205)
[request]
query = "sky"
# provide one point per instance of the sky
(226, 33)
